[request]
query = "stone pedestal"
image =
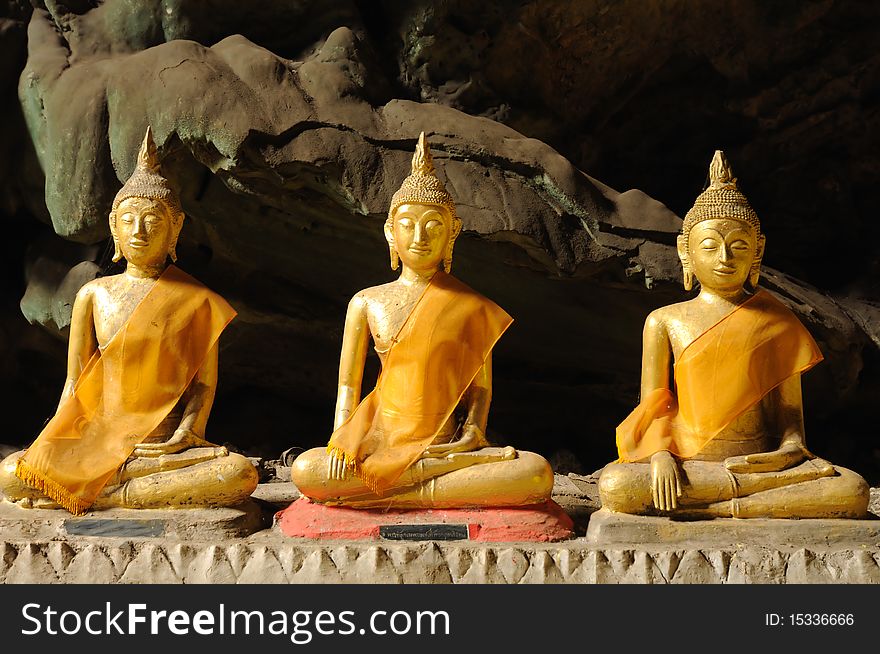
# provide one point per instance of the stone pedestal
(607, 529)
(540, 522)
(17, 523)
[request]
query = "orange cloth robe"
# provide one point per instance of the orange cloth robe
(126, 390)
(726, 370)
(438, 352)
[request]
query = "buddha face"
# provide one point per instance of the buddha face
(144, 231)
(420, 233)
(721, 253)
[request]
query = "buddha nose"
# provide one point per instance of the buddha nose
(140, 228)
(420, 233)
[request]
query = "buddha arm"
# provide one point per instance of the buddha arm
(656, 356)
(656, 364)
(355, 341)
(785, 405)
(83, 340)
(789, 410)
(473, 432)
(197, 401)
(480, 397)
(199, 397)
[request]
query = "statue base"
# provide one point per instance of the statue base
(539, 522)
(17, 523)
(608, 528)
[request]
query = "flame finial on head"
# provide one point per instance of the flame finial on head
(148, 155)
(422, 161)
(720, 173)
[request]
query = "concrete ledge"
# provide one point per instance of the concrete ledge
(608, 529)
(17, 523)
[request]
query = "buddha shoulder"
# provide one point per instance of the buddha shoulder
(96, 291)
(379, 298)
(102, 286)
(112, 294)
(664, 318)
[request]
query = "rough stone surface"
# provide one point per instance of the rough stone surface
(270, 558)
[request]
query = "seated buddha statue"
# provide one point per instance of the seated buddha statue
(719, 431)
(418, 439)
(141, 377)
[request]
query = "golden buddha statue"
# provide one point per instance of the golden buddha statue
(141, 378)
(719, 431)
(418, 439)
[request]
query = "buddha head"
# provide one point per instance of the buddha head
(721, 241)
(422, 224)
(146, 216)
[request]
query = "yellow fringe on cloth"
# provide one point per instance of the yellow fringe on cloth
(51, 489)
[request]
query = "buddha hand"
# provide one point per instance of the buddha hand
(183, 439)
(472, 438)
(790, 454)
(665, 481)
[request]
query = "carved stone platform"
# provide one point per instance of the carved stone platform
(609, 529)
(183, 524)
(268, 556)
(545, 522)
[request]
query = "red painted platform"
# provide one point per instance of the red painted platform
(538, 522)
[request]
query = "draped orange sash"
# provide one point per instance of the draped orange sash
(723, 372)
(439, 350)
(125, 391)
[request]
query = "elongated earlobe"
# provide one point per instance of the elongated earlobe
(389, 237)
(687, 274)
(117, 253)
(755, 271)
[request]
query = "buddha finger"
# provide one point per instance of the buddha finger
(437, 450)
(148, 452)
(767, 462)
(736, 464)
(343, 469)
